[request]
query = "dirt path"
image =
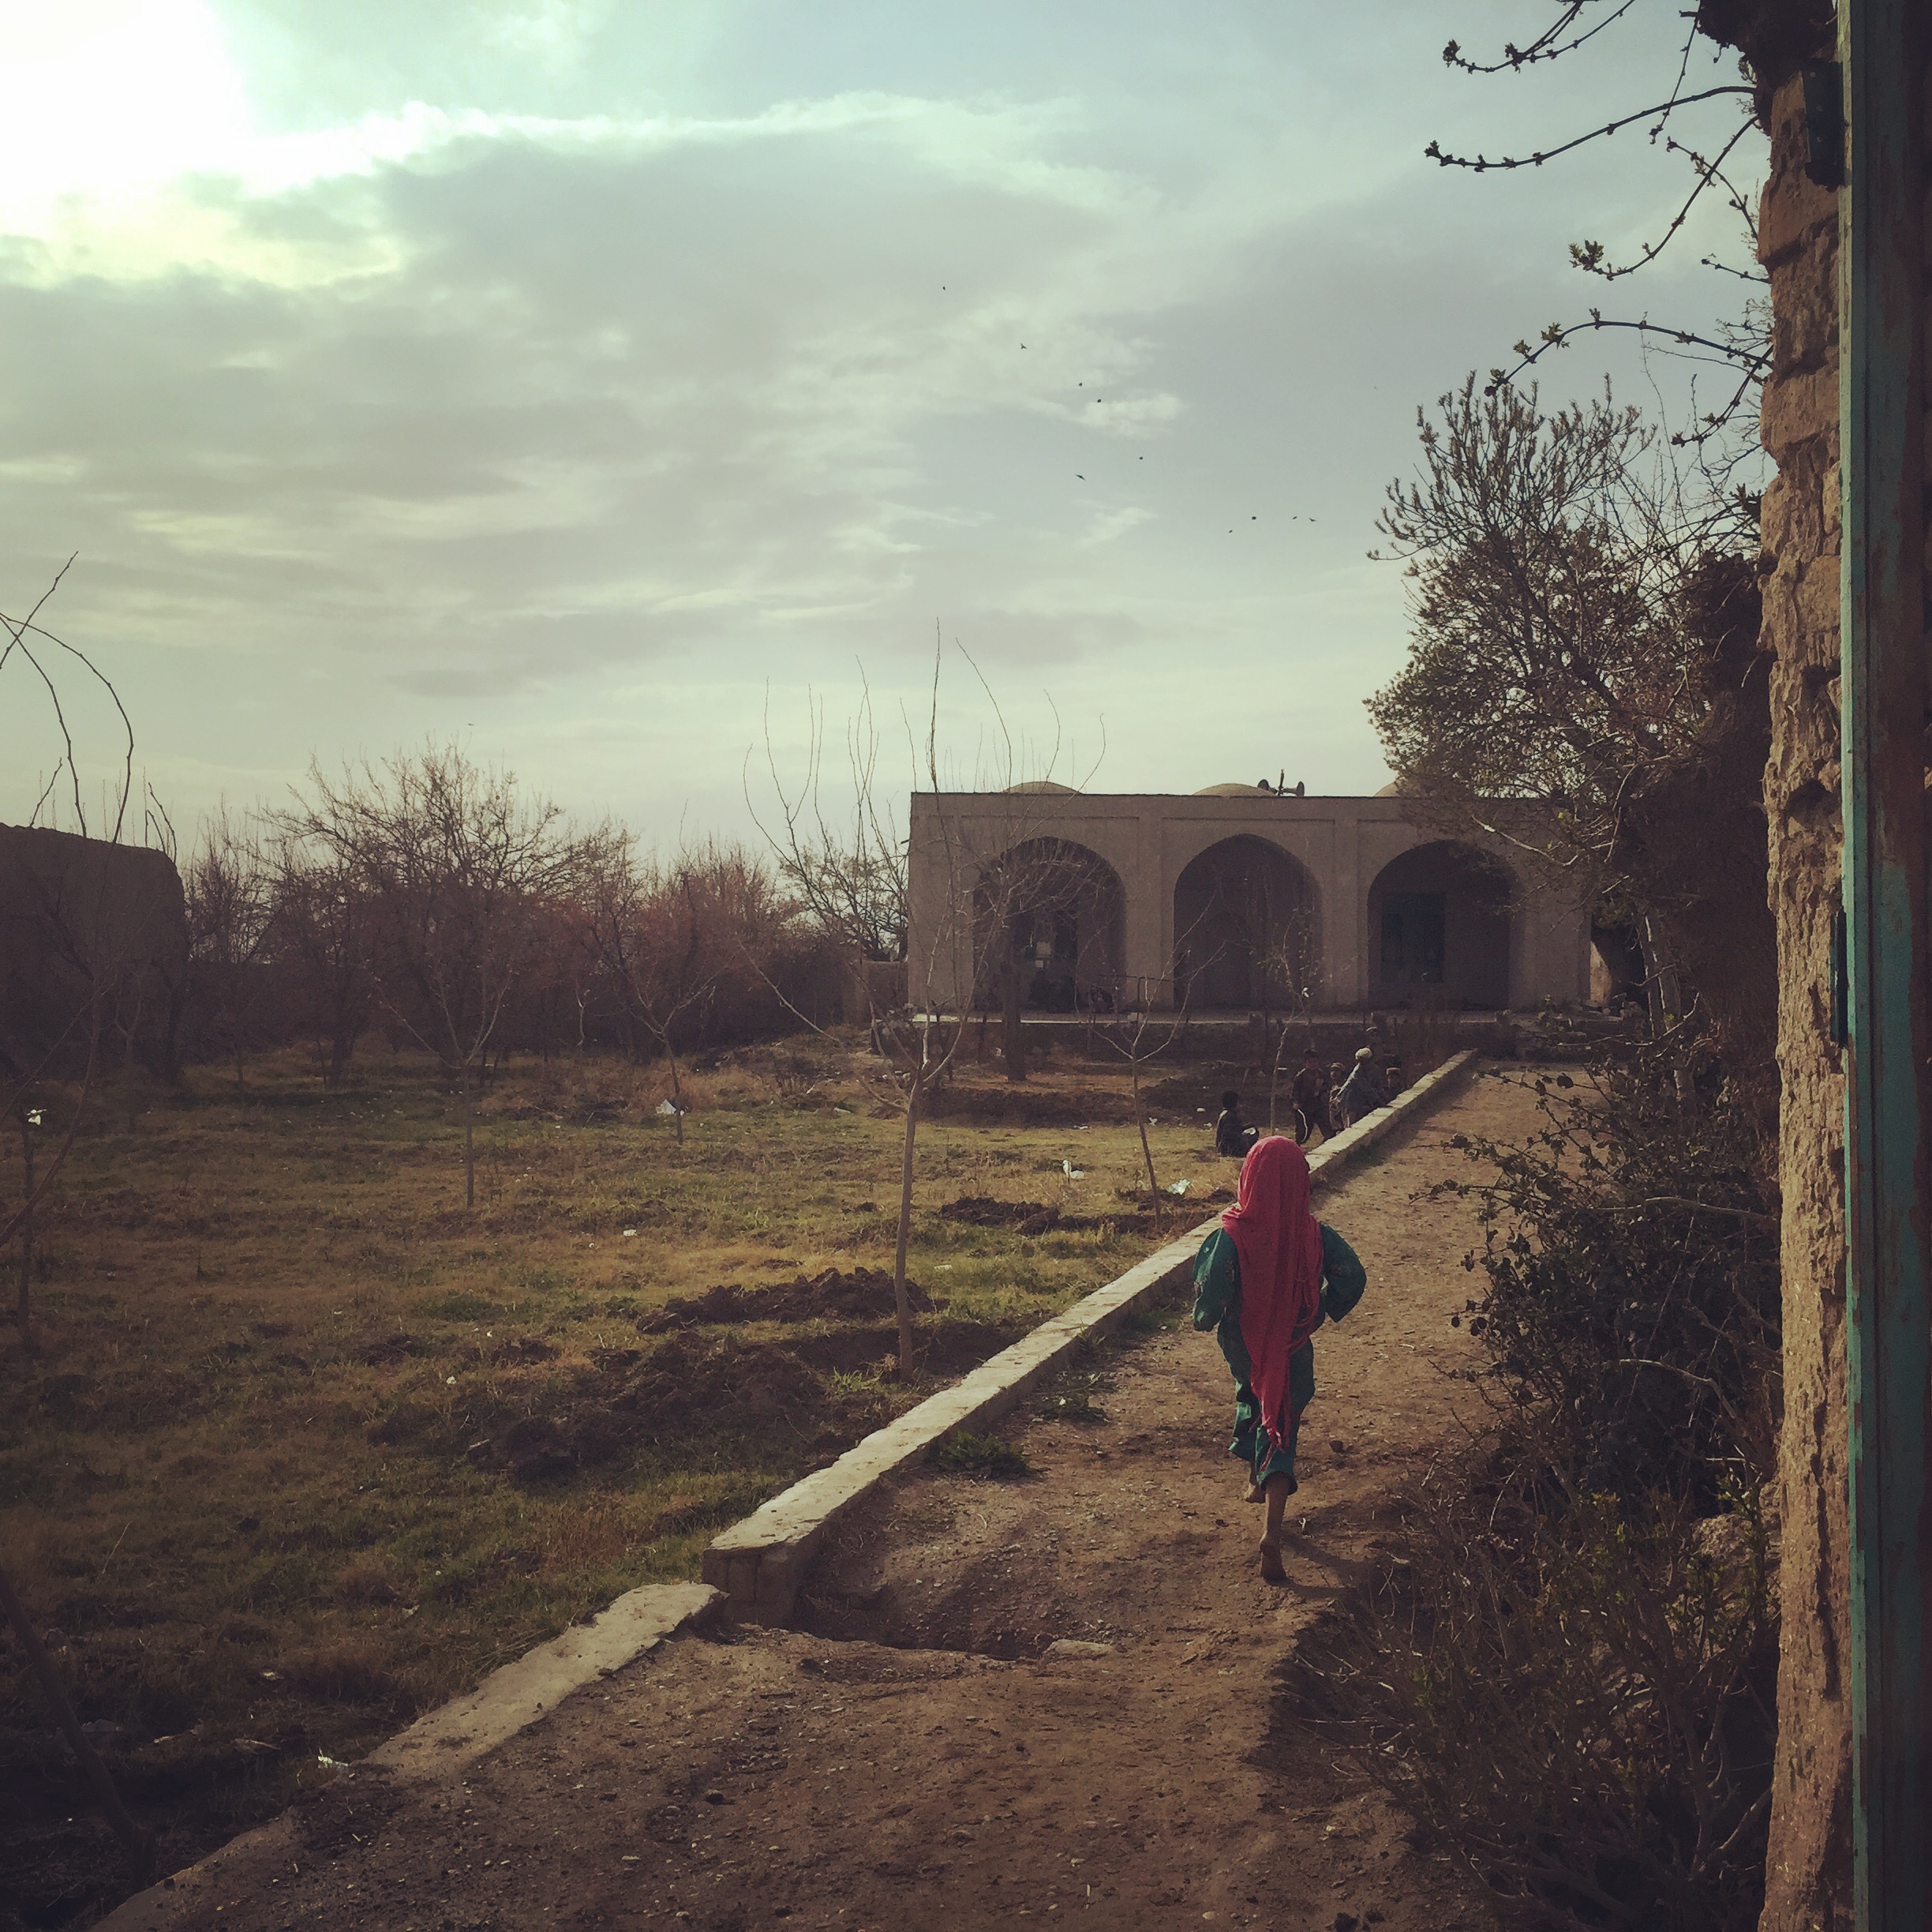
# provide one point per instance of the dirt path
(916, 1755)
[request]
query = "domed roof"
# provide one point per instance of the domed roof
(1395, 789)
(1044, 785)
(1235, 791)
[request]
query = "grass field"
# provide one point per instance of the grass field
(307, 1445)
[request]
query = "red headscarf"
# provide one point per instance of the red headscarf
(1279, 1242)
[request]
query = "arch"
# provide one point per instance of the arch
(1054, 912)
(1247, 922)
(1440, 920)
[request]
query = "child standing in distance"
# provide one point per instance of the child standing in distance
(1362, 1093)
(1233, 1135)
(1264, 1281)
(1313, 1092)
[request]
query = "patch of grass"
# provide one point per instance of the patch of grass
(992, 1456)
(272, 1334)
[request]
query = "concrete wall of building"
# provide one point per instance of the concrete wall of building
(1149, 838)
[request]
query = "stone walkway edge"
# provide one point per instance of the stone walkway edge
(447, 1741)
(760, 1563)
(755, 1567)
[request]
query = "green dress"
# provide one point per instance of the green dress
(1217, 1305)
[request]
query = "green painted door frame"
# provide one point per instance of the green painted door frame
(1883, 694)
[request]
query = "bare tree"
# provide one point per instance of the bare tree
(670, 937)
(453, 861)
(1281, 937)
(851, 870)
(1584, 649)
(104, 943)
(232, 907)
(92, 918)
(1290, 962)
(850, 875)
(324, 923)
(1140, 1037)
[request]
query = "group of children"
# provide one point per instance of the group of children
(1271, 1274)
(1324, 1101)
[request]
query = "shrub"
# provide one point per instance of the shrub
(1565, 1666)
(1579, 1697)
(1631, 1297)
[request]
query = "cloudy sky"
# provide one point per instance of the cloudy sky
(591, 380)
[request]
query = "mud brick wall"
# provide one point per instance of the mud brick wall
(1809, 1873)
(1807, 1882)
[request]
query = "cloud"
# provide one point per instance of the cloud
(583, 409)
(572, 399)
(1111, 525)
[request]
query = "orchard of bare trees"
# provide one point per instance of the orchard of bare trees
(430, 903)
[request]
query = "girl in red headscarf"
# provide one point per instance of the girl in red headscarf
(1265, 1280)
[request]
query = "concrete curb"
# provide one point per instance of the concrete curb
(446, 1740)
(760, 1563)
(521, 1694)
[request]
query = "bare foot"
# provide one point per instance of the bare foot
(1255, 1492)
(1271, 1570)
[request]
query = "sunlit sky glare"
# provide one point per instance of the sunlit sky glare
(594, 380)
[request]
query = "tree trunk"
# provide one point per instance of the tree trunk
(902, 1299)
(1281, 1047)
(26, 1236)
(469, 1092)
(1665, 988)
(1147, 1152)
(1012, 1037)
(677, 1094)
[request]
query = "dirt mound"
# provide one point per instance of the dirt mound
(678, 1394)
(983, 1211)
(687, 1388)
(861, 1294)
(786, 1393)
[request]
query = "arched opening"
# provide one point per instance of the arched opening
(1056, 913)
(1438, 929)
(1247, 927)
